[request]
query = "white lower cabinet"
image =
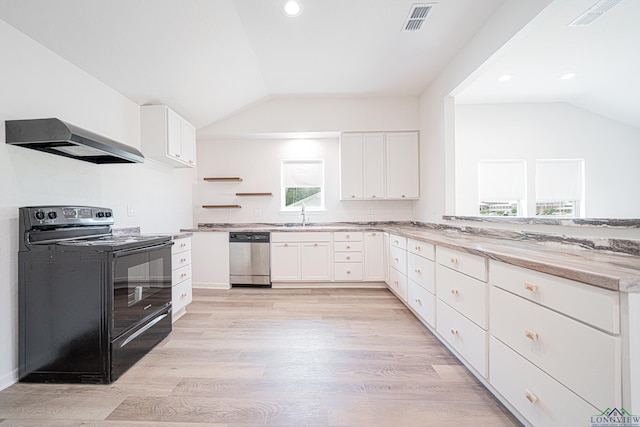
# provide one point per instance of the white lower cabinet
(398, 284)
(348, 256)
(542, 400)
(584, 359)
(181, 289)
(301, 257)
(374, 257)
(466, 338)
(422, 302)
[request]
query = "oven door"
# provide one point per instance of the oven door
(142, 285)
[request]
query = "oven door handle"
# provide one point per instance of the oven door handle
(142, 330)
(140, 250)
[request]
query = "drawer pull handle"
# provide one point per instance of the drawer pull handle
(183, 259)
(454, 260)
(454, 331)
(348, 236)
(396, 241)
(531, 286)
(533, 336)
(530, 396)
(315, 244)
(417, 270)
(348, 257)
(419, 301)
(182, 245)
(184, 295)
(183, 275)
(396, 259)
(395, 282)
(348, 247)
(417, 248)
(455, 292)
(286, 244)
(348, 271)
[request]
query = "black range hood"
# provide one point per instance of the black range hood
(57, 137)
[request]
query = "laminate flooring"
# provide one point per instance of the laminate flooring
(277, 357)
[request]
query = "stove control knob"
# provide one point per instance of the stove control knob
(52, 215)
(107, 214)
(100, 214)
(39, 215)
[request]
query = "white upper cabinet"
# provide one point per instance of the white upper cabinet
(379, 165)
(351, 158)
(167, 137)
(403, 165)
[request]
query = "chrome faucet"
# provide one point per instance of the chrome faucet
(304, 215)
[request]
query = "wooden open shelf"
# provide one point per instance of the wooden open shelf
(254, 194)
(221, 206)
(224, 179)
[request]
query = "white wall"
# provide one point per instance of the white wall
(319, 114)
(36, 83)
(436, 114)
(257, 162)
(549, 131)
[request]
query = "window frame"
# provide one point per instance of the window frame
(283, 188)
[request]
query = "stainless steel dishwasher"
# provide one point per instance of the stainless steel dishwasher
(249, 259)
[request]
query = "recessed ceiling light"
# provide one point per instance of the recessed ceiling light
(292, 8)
(567, 76)
(505, 77)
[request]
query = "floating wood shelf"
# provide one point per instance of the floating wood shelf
(253, 194)
(221, 206)
(223, 179)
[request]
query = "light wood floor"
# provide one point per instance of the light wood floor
(255, 357)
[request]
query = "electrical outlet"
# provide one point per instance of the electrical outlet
(131, 211)
(370, 211)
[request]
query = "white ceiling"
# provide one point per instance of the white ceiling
(209, 58)
(604, 55)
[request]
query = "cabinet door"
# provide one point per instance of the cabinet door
(188, 143)
(403, 161)
(174, 134)
(374, 257)
(351, 166)
(285, 261)
(373, 165)
(315, 261)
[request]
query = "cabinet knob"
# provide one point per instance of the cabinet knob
(455, 292)
(403, 196)
(396, 259)
(348, 257)
(315, 244)
(533, 336)
(178, 155)
(454, 331)
(286, 244)
(348, 236)
(374, 196)
(348, 271)
(453, 260)
(353, 196)
(530, 286)
(348, 247)
(530, 396)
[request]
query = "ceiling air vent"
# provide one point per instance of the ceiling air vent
(595, 12)
(417, 16)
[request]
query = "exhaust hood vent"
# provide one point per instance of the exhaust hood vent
(417, 16)
(57, 137)
(595, 12)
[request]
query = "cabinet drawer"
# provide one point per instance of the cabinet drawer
(181, 245)
(347, 246)
(464, 293)
(347, 256)
(398, 259)
(543, 401)
(301, 236)
(584, 359)
(180, 274)
(347, 236)
(347, 271)
(398, 241)
(467, 338)
(471, 265)
(421, 271)
(181, 295)
(422, 302)
(398, 284)
(180, 259)
(597, 307)
(423, 249)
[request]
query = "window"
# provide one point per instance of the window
(501, 187)
(560, 187)
(302, 182)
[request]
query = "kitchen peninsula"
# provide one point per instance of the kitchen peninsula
(502, 301)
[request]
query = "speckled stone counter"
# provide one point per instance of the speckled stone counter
(612, 265)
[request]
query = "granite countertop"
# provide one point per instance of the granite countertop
(558, 256)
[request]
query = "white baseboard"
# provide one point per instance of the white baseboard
(8, 379)
(210, 285)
